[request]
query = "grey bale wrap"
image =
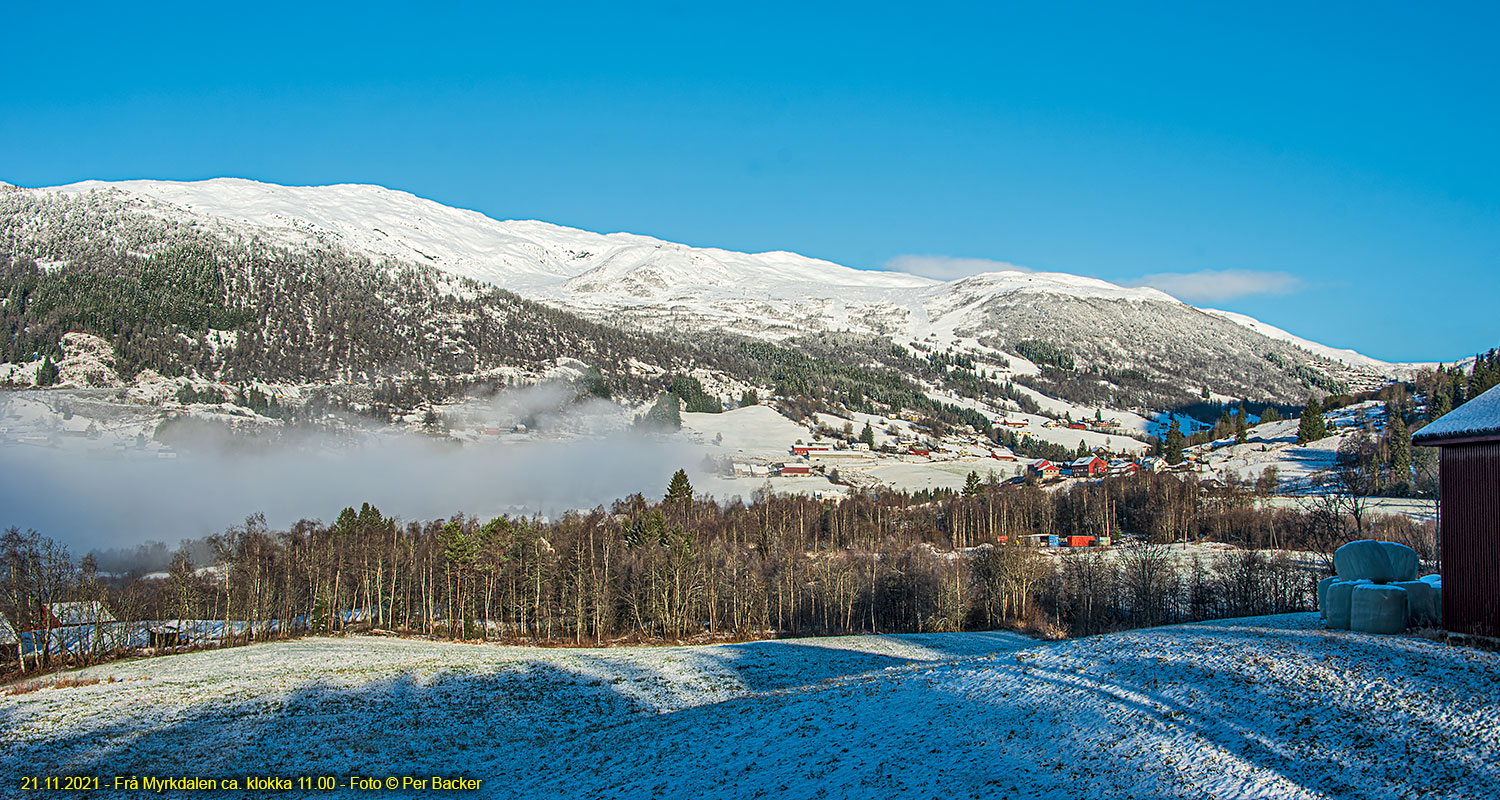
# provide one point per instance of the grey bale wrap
(1339, 603)
(1380, 562)
(1378, 608)
(1323, 596)
(1422, 600)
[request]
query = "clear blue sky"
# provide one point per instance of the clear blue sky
(1340, 162)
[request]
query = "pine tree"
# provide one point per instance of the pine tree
(1241, 435)
(1172, 447)
(1083, 448)
(1311, 429)
(749, 398)
(972, 486)
(679, 490)
(867, 435)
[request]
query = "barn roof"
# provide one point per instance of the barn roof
(1478, 419)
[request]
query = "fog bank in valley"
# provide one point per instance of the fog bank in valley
(106, 498)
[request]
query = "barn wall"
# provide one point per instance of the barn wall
(1470, 486)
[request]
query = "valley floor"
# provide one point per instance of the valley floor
(1259, 707)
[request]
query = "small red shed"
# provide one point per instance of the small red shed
(1469, 512)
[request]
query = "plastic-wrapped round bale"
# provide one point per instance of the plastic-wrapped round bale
(1422, 602)
(1338, 603)
(1436, 581)
(1323, 596)
(1381, 562)
(1403, 561)
(1378, 608)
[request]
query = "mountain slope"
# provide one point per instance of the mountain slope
(1129, 346)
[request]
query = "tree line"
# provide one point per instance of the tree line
(688, 568)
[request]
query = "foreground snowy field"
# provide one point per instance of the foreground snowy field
(1262, 707)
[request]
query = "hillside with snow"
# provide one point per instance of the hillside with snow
(1136, 341)
(1255, 707)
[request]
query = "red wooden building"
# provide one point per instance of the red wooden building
(1042, 468)
(1469, 512)
(1088, 467)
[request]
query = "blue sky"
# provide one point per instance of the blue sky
(1330, 170)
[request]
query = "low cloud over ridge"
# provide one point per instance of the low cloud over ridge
(1215, 285)
(948, 268)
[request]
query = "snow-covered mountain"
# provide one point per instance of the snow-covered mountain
(637, 280)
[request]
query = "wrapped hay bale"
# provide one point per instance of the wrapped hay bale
(1422, 602)
(1436, 581)
(1378, 608)
(1323, 596)
(1380, 562)
(1403, 561)
(1338, 608)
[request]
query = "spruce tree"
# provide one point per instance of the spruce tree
(868, 435)
(1441, 406)
(1083, 448)
(749, 398)
(1241, 435)
(679, 490)
(1311, 427)
(46, 374)
(1172, 447)
(1400, 444)
(972, 486)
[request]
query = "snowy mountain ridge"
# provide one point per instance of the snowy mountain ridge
(557, 262)
(655, 284)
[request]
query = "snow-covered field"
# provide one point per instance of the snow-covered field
(1274, 444)
(1260, 707)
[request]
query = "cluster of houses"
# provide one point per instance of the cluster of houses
(1055, 540)
(1091, 467)
(820, 454)
(1098, 426)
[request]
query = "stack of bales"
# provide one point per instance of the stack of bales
(1377, 590)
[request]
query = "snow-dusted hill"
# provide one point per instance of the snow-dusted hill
(655, 284)
(1259, 707)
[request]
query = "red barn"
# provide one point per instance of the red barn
(795, 469)
(1469, 512)
(1089, 467)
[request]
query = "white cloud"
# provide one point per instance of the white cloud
(1215, 285)
(947, 268)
